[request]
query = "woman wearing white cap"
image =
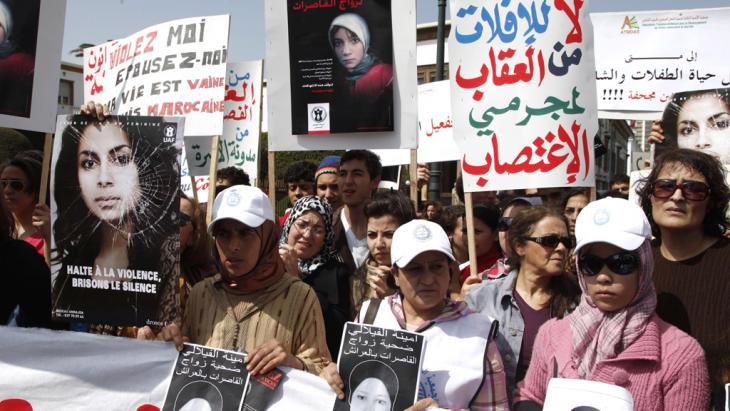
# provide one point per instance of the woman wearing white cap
(455, 336)
(368, 78)
(615, 336)
(252, 305)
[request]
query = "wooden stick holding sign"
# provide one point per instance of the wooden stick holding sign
(43, 192)
(211, 178)
(413, 171)
(469, 210)
(272, 181)
(195, 190)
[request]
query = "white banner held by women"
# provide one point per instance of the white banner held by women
(435, 129)
(176, 68)
(60, 370)
(523, 93)
(30, 54)
(642, 58)
(239, 143)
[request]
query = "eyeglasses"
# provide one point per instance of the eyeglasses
(16, 185)
(552, 241)
(504, 223)
(691, 190)
(303, 226)
(622, 263)
(185, 219)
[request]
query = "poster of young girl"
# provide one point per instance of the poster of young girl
(341, 66)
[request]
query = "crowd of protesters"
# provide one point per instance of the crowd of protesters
(633, 295)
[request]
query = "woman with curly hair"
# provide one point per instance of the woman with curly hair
(686, 199)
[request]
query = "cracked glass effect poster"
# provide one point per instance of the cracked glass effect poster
(341, 66)
(380, 367)
(115, 219)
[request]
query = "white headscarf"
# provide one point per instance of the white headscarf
(355, 24)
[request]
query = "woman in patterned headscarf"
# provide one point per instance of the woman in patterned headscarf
(306, 247)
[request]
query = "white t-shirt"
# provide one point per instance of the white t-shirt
(358, 248)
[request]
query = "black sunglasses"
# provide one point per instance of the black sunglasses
(552, 241)
(504, 223)
(691, 190)
(623, 263)
(16, 185)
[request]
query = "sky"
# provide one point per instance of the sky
(96, 21)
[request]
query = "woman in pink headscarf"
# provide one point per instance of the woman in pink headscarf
(614, 336)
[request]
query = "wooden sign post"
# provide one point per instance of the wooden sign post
(211, 178)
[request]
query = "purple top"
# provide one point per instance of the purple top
(533, 320)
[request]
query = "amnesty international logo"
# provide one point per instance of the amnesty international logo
(630, 26)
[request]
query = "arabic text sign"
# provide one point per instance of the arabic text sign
(435, 129)
(394, 357)
(171, 69)
(523, 93)
(202, 373)
(239, 143)
(642, 58)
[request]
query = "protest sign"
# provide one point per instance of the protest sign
(698, 120)
(573, 394)
(305, 86)
(62, 370)
(186, 183)
(207, 378)
(239, 144)
(379, 363)
(176, 68)
(30, 55)
(523, 93)
(115, 206)
(341, 66)
(435, 129)
(642, 58)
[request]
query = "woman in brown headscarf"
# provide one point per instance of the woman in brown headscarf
(252, 305)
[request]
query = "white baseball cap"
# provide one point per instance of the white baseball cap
(614, 221)
(246, 204)
(415, 237)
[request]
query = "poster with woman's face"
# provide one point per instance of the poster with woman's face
(115, 219)
(18, 35)
(698, 120)
(341, 66)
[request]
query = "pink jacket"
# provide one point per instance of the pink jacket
(664, 369)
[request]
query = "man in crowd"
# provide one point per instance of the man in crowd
(299, 178)
(326, 181)
(230, 176)
(620, 183)
(359, 176)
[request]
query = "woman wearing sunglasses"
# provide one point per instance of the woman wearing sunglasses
(615, 336)
(536, 290)
(686, 200)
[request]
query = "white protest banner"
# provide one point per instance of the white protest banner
(435, 129)
(175, 68)
(62, 370)
(642, 58)
(573, 394)
(523, 93)
(239, 143)
(279, 84)
(30, 57)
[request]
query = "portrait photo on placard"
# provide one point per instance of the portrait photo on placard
(341, 66)
(115, 219)
(698, 120)
(18, 38)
